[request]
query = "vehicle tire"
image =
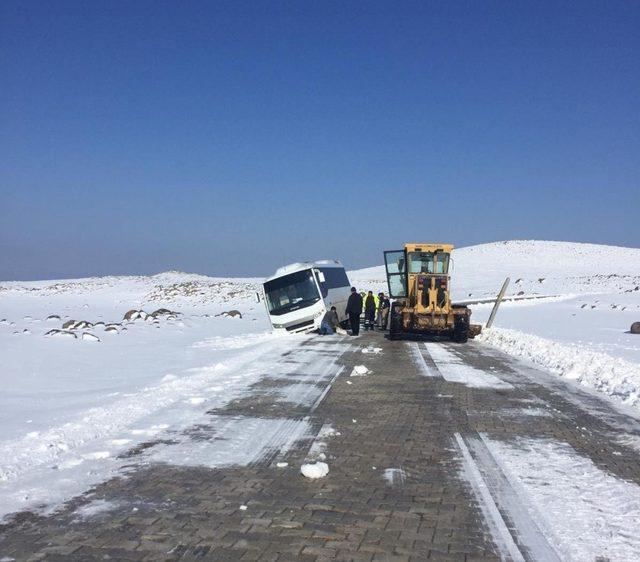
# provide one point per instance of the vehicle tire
(395, 323)
(461, 330)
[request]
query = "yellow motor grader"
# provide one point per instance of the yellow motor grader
(420, 284)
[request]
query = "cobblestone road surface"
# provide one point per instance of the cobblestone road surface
(410, 476)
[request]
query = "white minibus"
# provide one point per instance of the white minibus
(298, 295)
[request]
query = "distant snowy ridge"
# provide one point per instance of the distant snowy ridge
(612, 376)
(535, 267)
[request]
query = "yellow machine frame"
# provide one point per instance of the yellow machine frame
(426, 307)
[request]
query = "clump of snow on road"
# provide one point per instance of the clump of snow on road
(613, 376)
(315, 470)
(586, 512)
(359, 371)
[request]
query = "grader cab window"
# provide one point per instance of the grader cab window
(396, 266)
(429, 262)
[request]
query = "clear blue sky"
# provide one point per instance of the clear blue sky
(231, 137)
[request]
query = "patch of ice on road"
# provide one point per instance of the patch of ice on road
(315, 470)
(244, 440)
(628, 440)
(454, 369)
(425, 370)
(519, 412)
(394, 476)
(282, 464)
(498, 530)
(243, 508)
(613, 376)
(94, 508)
(371, 349)
(588, 512)
(359, 371)
(319, 445)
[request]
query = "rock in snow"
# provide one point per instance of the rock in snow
(635, 328)
(230, 314)
(315, 470)
(86, 336)
(61, 334)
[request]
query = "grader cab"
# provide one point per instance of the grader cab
(420, 284)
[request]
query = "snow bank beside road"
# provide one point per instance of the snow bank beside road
(618, 378)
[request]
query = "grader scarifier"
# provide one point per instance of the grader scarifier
(420, 284)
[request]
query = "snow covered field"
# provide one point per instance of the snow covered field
(72, 403)
(70, 406)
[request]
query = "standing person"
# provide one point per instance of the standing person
(383, 311)
(369, 311)
(329, 322)
(353, 310)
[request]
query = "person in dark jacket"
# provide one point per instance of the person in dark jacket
(369, 311)
(329, 322)
(383, 311)
(353, 310)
